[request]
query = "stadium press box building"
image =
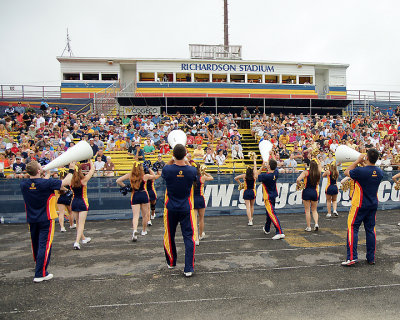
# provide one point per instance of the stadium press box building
(210, 76)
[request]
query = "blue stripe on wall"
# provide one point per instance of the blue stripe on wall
(337, 89)
(86, 85)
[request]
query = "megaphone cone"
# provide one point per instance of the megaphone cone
(177, 137)
(265, 147)
(81, 151)
(346, 154)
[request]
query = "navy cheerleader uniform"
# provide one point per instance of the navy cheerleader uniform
(139, 196)
(151, 190)
(249, 189)
(198, 195)
(310, 192)
(65, 197)
(331, 187)
(80, 200)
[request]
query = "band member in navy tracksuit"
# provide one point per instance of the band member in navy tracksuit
(41, 213)
(364, 204)
(270, 193)
(179, 178)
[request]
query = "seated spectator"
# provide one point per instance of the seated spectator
(220, 157)
(109, 168)
(198, 153)
(198, 139)
(164, 147)
(290, 164)
(284, 138)
(159, 164)
(18, 168)
(138, 153)
(237, 151)
(4, 164)
(98, 166)
(284, 153)
(189, 140)
(209, 157)
(149, 147)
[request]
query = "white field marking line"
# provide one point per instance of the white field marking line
(246, 297)
(261, 269)
(17, 311)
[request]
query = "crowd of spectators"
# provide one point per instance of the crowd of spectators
(26, 135)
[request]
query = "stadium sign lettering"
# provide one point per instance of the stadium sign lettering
(226, 67)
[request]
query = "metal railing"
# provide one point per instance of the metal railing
(29, 91)
(104, 100)
(370, 95)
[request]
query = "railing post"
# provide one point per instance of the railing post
(23, 94)
(2, 96)
(42, 92)
(389, 96)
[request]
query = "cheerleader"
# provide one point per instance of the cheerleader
(80, 203)
(310, 193)
(152, 193)
(139, 197)
(331, 190)
(64, 198)
(249, 193)
(395, 179)
(199, 202)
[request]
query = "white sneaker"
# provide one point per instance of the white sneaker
(250, 223)
(203, 235)
(278, 236)
(153, 216)
(266, 232)
(48, 277)
(149, 223)
(63, 229)
(73, 226)
(398, 224)
(197, 242)
(134, 236)
(86, 240)
(77, 246)
(349, 263)
(308, 229)
(336, 214)
(316, 227)
(328, 215)
(188, 274)
(144, 233)
(170, 267)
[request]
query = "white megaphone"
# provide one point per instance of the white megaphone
(265, 147)
(81, 151)
(346, 154)
(177, 137)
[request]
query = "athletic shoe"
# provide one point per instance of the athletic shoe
(77, 246)
(170, 267)
(48, 277)
(265, 231)
(188, 274)
(144, 233)
(316, 227)
(63, 229)
(197, 242)
(153, 216)
(250, 223)
(134, 236)
(398, 224)
(349, 263)
(149, 223)
(308, 229)
(73, 226)
(336, 214)
(328, 215)
(370, 262)
(203, 235)
(86, 240)
(278, 236)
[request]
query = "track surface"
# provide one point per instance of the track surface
(240, 273)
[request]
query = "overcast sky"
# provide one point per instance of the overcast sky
(362, 33)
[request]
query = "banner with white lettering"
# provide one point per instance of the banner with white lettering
(222, 197)
(141, 110)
